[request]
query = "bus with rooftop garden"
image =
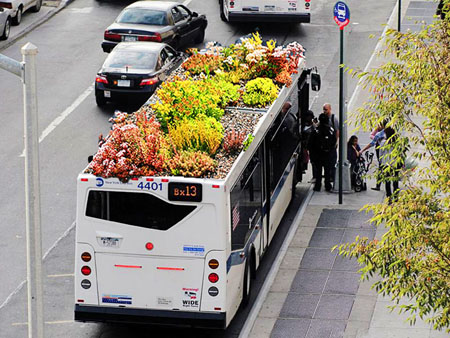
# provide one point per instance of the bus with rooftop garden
(182, 250)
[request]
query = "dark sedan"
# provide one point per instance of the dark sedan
(158, 21)
(135, 69)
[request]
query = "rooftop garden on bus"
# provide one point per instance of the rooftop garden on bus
(184, 128)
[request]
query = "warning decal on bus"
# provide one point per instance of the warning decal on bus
(190, 298)
(117, 299)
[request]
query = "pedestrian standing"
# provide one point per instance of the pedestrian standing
(321, 146)
(377, 152)
(333, 122)
(308, 129)
(386, 137)
(353, 153)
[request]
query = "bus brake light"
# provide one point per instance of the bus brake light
(85, 270)
(213, 277)
(149, 246)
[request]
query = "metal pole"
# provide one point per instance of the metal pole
(32, 195)
(399, 14)
(341, 111)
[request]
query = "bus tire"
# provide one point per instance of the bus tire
(247, 287)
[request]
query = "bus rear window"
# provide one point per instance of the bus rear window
(138, 209)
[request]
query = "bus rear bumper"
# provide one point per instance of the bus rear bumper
(269, 17)
(143, 316)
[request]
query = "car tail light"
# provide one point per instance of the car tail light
(112, 36)
(101, 79)
(213, 263)
(6, 5)
(85, 270)
(213, 277)
(155, 37)
(149, 82)
(86, 256)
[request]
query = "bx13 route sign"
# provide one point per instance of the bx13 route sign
(341, 14)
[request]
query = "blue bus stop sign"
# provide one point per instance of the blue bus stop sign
(341, 14)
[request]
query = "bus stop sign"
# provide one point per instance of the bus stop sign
(341, 14)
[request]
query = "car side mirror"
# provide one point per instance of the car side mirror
(194, 14)
(315, 82)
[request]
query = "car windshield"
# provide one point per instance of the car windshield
(143, 17)
(131, 59)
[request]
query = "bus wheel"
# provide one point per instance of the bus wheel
(247, 288)
(222, 14)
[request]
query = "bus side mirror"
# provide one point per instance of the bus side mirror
(315, 82)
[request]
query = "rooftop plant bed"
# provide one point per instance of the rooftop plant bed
(189, 126)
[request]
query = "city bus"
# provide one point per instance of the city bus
(283, 11)
(184, 251)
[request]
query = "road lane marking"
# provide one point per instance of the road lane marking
(20, 286)
(61, 275)
(64, 114)
(50, 322)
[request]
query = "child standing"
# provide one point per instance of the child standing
(353, 153)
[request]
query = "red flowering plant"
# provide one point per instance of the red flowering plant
(131, 149)
(202, 63)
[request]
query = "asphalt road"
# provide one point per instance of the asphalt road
(69, 56)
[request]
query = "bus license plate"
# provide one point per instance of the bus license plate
(109, 242)
(107, 93)
(123, 83)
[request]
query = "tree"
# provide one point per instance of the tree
(411, 91)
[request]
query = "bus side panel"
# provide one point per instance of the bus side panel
(281, 203)
(234, 289)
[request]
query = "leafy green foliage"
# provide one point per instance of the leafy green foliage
(181, 100)
(412, 93)
(260, 92)
(191, 164)
(204, 134)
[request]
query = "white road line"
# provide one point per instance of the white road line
(248, 325)
(187, 2)
(20, 286)
(64, 114)
(50, 323)
(61, 275)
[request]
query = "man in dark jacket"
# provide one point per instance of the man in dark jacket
(321, 146)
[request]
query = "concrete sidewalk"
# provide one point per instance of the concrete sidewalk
(317, 293)
(32, 20)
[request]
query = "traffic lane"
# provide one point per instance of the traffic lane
(63, 73)
(59, 296)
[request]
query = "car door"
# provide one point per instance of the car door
(193, 23)
(182, 24)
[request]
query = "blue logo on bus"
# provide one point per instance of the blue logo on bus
(99, 181)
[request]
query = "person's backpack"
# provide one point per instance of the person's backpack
(327, 139)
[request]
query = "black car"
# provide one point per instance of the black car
(158, 21)
(135, 69)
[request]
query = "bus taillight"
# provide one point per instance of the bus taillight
(213, 277)
(213, 264)
(86, 256)
(149, 246)
(85, 270)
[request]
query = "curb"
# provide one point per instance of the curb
(35, 24)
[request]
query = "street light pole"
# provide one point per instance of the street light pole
(32, 195)
(399, 15)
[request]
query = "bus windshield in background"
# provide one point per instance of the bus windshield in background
(138, 209)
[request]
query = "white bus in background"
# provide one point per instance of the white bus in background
(178, 250)
(283, 11)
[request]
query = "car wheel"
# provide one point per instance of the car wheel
(36, 8)
(201, 36)
(18, 18)
(222, 14)
(6, 30)
(100, 98)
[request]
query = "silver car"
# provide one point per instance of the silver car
(5, 22)
(18, 7)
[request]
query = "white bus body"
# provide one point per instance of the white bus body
(294, 11)
(147, 250)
